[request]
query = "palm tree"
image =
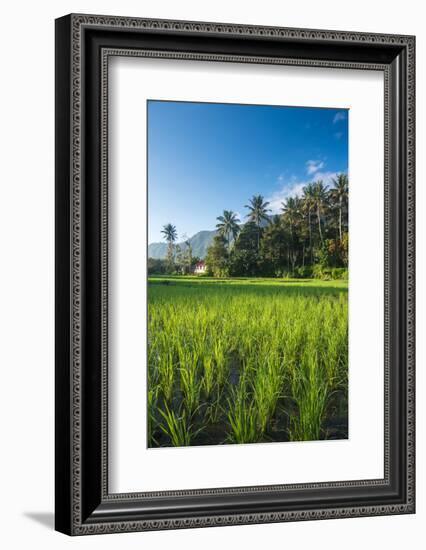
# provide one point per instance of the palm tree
(228, 225)
(320, 200)
(289, 208)
(340, 195)
(276, 220)
(258, 213)
(308, 206)
(292, 209)
(188, 254)
(170, 234)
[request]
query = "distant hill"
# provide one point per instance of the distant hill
(199, 244)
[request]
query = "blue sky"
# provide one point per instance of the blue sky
(205, 157)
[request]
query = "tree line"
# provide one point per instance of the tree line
(309, 237)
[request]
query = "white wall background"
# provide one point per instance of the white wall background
(27, 262)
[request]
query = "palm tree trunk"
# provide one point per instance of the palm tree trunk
(258, 238)
(340, 219)
(310, 235)
(319, 224)
(170, 255)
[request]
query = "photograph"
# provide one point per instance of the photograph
(248, 273)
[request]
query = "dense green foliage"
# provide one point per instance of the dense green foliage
(246, 360)
(183, 263)
(310, 235)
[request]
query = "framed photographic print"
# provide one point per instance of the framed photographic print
(234, 274)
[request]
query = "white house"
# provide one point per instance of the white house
(200, 268)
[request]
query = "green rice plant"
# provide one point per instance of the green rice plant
(214, 409)
(177, 427)
(311, 395)
(152, 414)
(242, 416)
(219, 361)
(267, 389)
(208, 381)
(199, 333)
(166, 373)
(189, 380)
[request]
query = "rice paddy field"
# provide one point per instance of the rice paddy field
(246, 360)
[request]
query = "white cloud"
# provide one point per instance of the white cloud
(326, 177)
(294, 188)
(313, 166)
(340, 115)
(280, 196)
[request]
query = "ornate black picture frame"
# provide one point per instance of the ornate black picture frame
(84, 44)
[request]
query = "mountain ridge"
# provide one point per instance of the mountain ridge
(199, 244)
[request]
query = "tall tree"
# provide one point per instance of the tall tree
(308, 206)
(217, 257)
(188, 255)
(320, 201)
(245, 255)
(292, 213)
(228, 226)
(258, 212)
(339, 195)
(247, 237)
(274, 247)
(289, 208)
(170, 235)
